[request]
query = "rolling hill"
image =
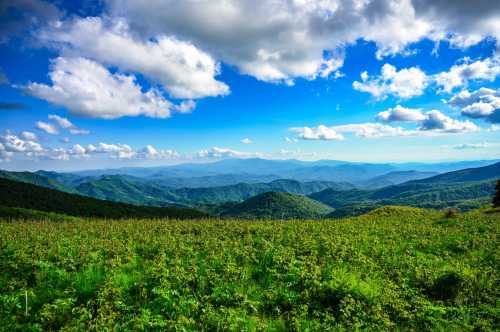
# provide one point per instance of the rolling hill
(467, 188)
(395, 177)
(489, 172)
(36, 179)
(14, 194)
(278, 205)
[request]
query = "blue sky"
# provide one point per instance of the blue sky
(188, 91)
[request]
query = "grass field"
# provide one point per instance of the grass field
(393, 269)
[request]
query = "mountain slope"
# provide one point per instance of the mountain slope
(395, 177)
(140, 191)
(464, 194)
(34, 178)
(489, 172)
(278, 205)
(468, 187)
(29, 196)
(126, 189)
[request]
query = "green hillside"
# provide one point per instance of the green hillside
(433, 195)
(36, 179)
(490, 172)
(126, 189)
(395, 177)
(28, 196)
(278, 205)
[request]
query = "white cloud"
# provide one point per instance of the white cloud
(246, 141)
(404, 84)
(181, 68)
(474, 146)
(429, 123)
(78, 149)
(218, 153)
(437, 121)
(88, 89)
(400, 113)
(460, 74)
(288, 39)
(79, 131)
(47, 127)
(12, 143)
(29, 136)
(494, 128)
(483, 103)
(66, 124)
(150, 152)
(291, 140)
(120, 151)
(373, 130)
(62, 122)
(321, 132)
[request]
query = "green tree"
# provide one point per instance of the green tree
(496, 199)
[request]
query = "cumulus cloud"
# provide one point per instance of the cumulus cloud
(400, 113)
(494, 128)
(433, 120)
(373, 130)
(181, 68)
(29, 136)
(47, 127)
(437, 121)
(246, 141)
(483, 103)
(289, 39)
(68, 125)
(428, 123)
(405, 83)
(150, 152)
(460, 74)
(13, 143)
(219, 153)
(88, 89)
(321, 132)
(474, 146)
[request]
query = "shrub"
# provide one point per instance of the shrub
(451, 213)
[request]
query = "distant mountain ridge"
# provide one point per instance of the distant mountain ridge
(395, 177)
(469, 174)
(465, 188)
(322, 170)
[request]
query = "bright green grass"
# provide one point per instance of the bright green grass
(393, 269)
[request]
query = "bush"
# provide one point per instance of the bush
(451, 213)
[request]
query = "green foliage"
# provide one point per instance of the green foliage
(278, 205)
(13, 213)
(463, 195)
(28, 196)
(395, 268)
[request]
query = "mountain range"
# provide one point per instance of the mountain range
(211, 187)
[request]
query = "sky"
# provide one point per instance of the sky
(114, 83)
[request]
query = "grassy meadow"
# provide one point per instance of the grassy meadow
(392, 269)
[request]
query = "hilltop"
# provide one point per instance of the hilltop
(278, 205)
